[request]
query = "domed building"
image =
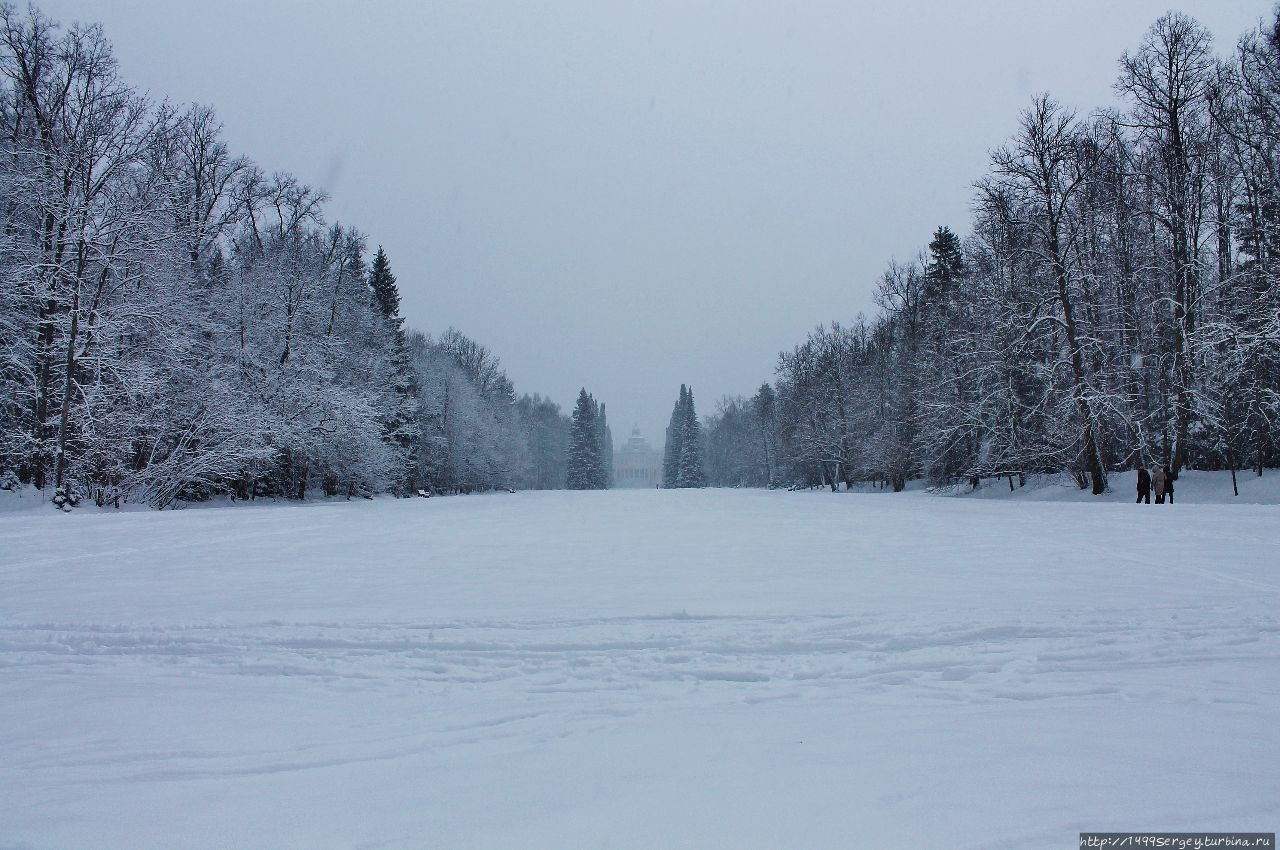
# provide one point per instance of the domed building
(637, 464)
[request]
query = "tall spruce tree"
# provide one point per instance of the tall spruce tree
(690, 472)
(675, 435)
(385, 290)
(401, 420)
(945, 266)
(940, 320)
(606, 449)
(585, 471)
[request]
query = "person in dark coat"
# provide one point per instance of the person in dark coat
(1144, 485)
(1168, 485)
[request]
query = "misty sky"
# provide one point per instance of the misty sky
(629, 196)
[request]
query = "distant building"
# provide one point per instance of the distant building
(637, 464)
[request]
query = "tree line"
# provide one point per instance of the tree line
(1116, 303)
(176, 323)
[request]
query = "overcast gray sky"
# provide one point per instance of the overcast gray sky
(629, 196)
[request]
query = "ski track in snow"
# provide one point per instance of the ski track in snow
(1022, 661)
(878, 660)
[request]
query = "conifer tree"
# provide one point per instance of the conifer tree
(946, 263)
(584, 446)
(675, 435)
(385, 290)
(401, 421)
(690, 472)
(940, 318)
(606, 449)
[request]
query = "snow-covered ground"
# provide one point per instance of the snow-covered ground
(638, 669)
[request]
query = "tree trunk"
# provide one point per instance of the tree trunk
(60, 474)
(64, 424)
(1231, 461)
(1092, 456)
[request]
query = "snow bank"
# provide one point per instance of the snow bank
(1193, 487)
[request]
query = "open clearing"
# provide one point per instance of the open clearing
(638, 669)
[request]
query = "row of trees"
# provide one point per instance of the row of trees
(1116, 304)
(472, 433)
(175, 322)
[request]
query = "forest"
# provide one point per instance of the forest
(1116, 303)
(176, 323)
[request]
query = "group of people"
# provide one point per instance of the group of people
(1158, 479)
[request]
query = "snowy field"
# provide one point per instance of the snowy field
(640, 669)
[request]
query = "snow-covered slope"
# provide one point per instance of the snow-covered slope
(638, 669)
